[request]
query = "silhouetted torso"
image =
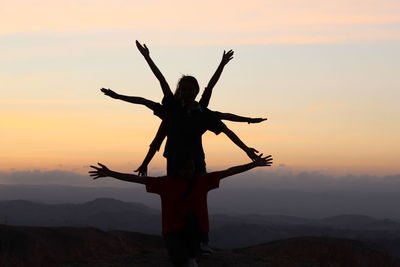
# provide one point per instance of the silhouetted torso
(185, 129)
(175, 206)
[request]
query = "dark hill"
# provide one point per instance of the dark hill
(349, 220)
(22, 246)
(59, 246)
(103, 213)
(320, 252)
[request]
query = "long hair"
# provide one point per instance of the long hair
(186, 79)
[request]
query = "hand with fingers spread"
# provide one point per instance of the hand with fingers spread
(142, 170)
(143, 49)
(263, 161)
(206, 96)
(226, 57)
(160, 77)
(256, 120)
(99, 172)
(252, 153)
(109, 92)
(103, 171)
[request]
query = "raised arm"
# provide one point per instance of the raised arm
(251, 152)
(131, 99)
(103, 171)
(146, 54)
(205, 97)
(154, 147)
(234, 117)
(259, 162)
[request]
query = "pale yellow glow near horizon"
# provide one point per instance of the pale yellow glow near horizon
(73, 141)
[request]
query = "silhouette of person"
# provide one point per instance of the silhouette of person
(183, 202)
(185, 94)
(184, 120)
(188, 88)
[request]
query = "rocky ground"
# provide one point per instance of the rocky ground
(90, 247)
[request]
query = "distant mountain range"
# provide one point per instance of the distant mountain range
(89, 247)
(230, 199)
(227, 231)
(102, 213)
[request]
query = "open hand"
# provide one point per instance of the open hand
(252, 153)
(142, 170)
(256, 120)
(142, 49)
(109, 92)
(99, 172)
(263, 161)
(226, 57)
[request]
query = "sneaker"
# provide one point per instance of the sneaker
(205, 249)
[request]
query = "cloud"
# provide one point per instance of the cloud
(208, 22)
(282, 178)
(326, 106)
(55, 177)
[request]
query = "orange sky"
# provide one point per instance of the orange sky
(325, 74)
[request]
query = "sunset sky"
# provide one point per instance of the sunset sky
(325, 74)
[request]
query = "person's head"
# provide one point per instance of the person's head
(187, 89)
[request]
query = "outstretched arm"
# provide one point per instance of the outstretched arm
(259, 162)
(146, 54)
(205, 97)
(103, 171)
(131, 99)
(142, 169)
(234, 117)
(154, 147)
(251, 152)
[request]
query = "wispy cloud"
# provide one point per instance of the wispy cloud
(278, 179)
(325, 105)
(209, 22)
